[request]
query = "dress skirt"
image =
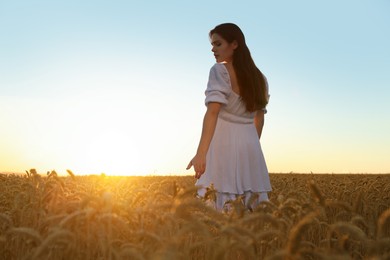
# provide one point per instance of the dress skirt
(235, 163)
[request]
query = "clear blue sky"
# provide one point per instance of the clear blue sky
(118, 86)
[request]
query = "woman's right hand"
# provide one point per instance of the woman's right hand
(199, 164)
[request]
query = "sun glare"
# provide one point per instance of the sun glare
(86, 135)
(112, 153)
(115, 148)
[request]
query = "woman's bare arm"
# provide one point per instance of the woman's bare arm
(209, 123)
(259, 122)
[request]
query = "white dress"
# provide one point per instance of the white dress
(235, 163)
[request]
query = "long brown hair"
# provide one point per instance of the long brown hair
(252, 82)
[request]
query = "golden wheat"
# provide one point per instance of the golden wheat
(100, 217)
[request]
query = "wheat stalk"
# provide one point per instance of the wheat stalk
(383, 224)
(5, 222)
(29, 233)
(296, 233)
(53, 238)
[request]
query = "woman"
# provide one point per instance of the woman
(229, 154)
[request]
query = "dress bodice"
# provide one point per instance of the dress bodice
(219, 90)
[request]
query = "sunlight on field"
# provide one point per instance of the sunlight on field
(309, 216)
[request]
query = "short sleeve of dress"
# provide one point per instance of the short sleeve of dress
(218, 86)
(267, 93)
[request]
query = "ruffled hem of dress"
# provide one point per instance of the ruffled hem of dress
(249, 198)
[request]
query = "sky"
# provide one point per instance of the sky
(117, 87)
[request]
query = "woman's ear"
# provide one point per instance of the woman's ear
(235, 44)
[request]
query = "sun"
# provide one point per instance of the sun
(112, 152)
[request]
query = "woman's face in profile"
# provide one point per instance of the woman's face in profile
(223, 51)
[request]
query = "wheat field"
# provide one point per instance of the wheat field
(309, 216)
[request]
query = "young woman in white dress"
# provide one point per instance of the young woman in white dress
(229, 155)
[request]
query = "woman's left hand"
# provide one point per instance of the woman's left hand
(199, 163)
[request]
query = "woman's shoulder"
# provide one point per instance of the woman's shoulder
(219, 70)
(218, 86)
(218, 67)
